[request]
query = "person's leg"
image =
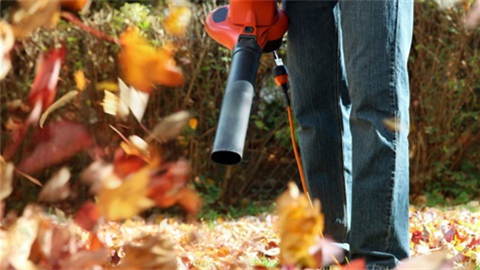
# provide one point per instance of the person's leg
(376, 41)
(313, 62)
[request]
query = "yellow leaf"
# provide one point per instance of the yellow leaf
(143, 65)
(80, 80)
(178, 19)
(107, 85)
(126, 200)
(300, 225)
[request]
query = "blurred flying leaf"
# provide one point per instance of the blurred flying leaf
(80, 80)
(126, 200)
(299, 225)
(111, 105)
(472, 19)
(6, 173)
(152, 253)
(31, 15)
(133, 99)
(107, 85)
(65, 99)
(143, 65)
(95, 174)
(170, 127)
(21, 236)
(326, 252)
(6, 44)
(42, 94)
(434, 261)
(178, 18)
(168, 187)
(54, 144)
(57, 188)
(44, 86)
(137, 147)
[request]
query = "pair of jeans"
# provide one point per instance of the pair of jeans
(347, 61)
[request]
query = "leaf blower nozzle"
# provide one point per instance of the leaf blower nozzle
(248, 28)
(237, 102)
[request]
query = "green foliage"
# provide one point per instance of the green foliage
(269, 263)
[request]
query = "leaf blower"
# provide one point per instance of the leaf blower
(248, 28)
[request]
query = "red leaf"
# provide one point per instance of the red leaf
(44, 86)
(124, 164)
(55, 144)
(165, 188)
(87, 216)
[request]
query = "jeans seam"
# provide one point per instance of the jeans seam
(393, 94)
(340, 120)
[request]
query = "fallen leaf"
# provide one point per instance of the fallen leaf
(6, 173)
(151, 253)
(86, 260)
(57, 188)
(31, 15)
(143, 65)
(65, 99)
(126, 200)
(6, 44)
(170, 127)
(54, 144)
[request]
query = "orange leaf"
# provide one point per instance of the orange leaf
(143, 65)
(80, 80)
(178, 19)
(74, 5)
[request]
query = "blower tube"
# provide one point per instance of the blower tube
(237, 102)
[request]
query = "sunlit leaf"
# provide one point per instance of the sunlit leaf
(126, 200)
(55, 143)
(132, 99)
(143, 65)
(31, 15)
(137, 147)
(57, 188)
(6, 174)
(65, 99)
(178, 18)
(193, 123)
(6, 44)
(300, 225)
(170, 127)
(80, 80)
(73, 5)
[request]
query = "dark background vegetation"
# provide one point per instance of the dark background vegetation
(445, 92)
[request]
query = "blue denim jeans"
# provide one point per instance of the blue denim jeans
(348, 67)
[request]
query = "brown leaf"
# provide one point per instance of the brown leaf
(170, 127)
(86, 260)
(65, 99)
(152, 253)
(6, 174)
(31, 15)
(54, 144)
(434, 261)
(57, 188)
(143, 65)
(6, 44)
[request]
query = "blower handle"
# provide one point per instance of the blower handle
(237, 102)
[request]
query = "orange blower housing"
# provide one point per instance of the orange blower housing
(261, 19)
